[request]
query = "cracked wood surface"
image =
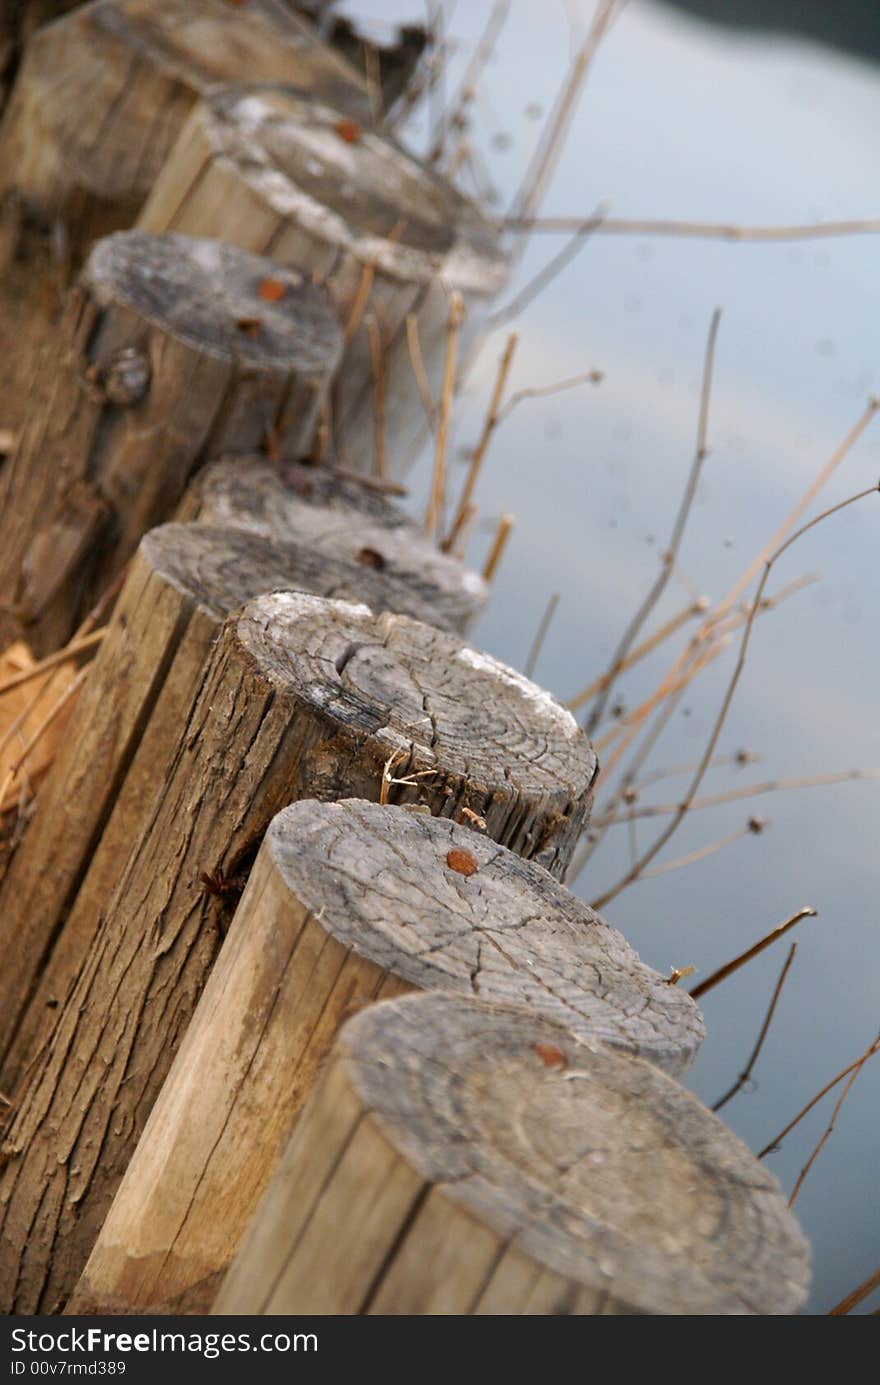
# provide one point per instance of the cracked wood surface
(254, 494)
(347, 903)
(301, 698)
(483, 1159)
(102, 94)
(184, 581)
(273, 169)
(168, 355)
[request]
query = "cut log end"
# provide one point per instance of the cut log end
(218, 299)
(485, 1160)
(171, 352)
(458, 727)
(351, 187)
(347, 904)
(344, 522)
(443, 907)
(103, 92)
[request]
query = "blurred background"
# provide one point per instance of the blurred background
(767, 118)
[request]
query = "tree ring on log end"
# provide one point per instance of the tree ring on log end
(384, 883)
(607, 1180)
(300, 505)
(458, 727)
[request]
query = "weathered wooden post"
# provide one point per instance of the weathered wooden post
(305, 504)
(460, 1157)
(103, 92)
(301, 698)
(184, 581)
(347, 903)
(170, 353)
(19, 21)
(296, 180)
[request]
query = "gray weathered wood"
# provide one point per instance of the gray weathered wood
(301, 698)
(464, 1157)
(347, 903)
(301, 505)
(168, 356)
(103, 92)
(184, 581)
(287, 177)
(225, 485)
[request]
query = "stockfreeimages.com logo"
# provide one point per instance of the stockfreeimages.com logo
(94, 1340)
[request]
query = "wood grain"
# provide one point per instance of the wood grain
(167, 356)
(347, 903)
(273, 171)
(472, 1177)
(301, 698)
(306, 505)
(184, 581)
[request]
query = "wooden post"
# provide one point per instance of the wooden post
(301, 698)
(19, 20)
(460, 1157)
(347, 903)
(185, 579)
(169, 354)
(294, 179)
(103, 92)
(300, 504)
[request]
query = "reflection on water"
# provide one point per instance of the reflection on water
(681, 119)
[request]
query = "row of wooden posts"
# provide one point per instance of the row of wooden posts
(290, 788)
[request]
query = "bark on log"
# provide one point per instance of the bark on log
(291, 178)
(103, 92)
(348, 903)
(301, 698)
(251, 493)
(469, 1158)
(168, 355)
(184, 581)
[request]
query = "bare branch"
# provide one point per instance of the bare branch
(671, 554)
(746, 1074)
(852, 1300)
(434, 517)
(499, 543)
(489, 425)
(653, 810)
(541, 635)
(754, 951)
(701, 853)
(827, 1132)
(698, 230)
(691, 794)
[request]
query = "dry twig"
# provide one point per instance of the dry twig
(694, 785)
(502, 534)
(853, 1299)
(671, 555)
(827, 1132)
(489, 425)
(377, 359)
(746, 1074)
(653, 810)
(541, 635)
(776, 1143)
(701, 853)
(700, 230)
(417, 362)
(436, 505)
(549, 148)
(808, 912)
